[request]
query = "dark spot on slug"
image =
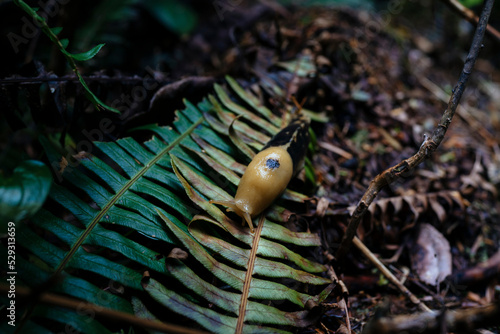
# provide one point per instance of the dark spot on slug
(272, 163)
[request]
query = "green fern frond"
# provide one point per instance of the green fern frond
(118, 214)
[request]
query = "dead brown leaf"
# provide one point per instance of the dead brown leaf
(430, 255)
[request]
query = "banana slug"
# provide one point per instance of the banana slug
(270, 171)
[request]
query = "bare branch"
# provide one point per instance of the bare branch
(428, 146)
(461, 321)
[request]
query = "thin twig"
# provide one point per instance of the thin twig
(387, 273)
(74, 78)
(462, 321)
(466, 116)
(89, 308)
(428, 146)
(469, 15)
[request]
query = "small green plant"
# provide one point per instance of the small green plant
(62, 44)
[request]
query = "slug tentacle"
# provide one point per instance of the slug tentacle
(248, 218)
(270, 171)
(233, 206)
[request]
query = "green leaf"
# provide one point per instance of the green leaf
(253, 102)
(263, 267)
(83, 322)
(239, 110)
(93, 98)
(209, 319)
(64, 42)
(205, 317)
(120, 211)
(229, 301)
(87, 55)
(56, 30)
(471, 3)
(239, 142)
(26, 7)
(309, 168)
(71, 285)
(303, 66)
(29, 327)
(261, 289)
(226, 118)
(23, 193)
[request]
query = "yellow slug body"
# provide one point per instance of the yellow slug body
(270, 171)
